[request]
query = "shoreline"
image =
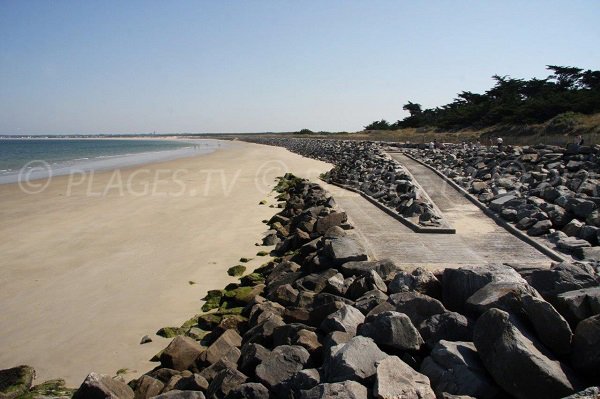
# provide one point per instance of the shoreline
(86, 274)
(41, 169)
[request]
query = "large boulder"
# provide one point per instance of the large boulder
(586, 347)
(99, 386)
(560, 278)
(419, 280)
(225, 346)
(282, 363)
(356, 360)
(517, 361)
(15, 381)
(578, 305)
(147, 387)
(368, 281)
(181, 353)
(344, 249)
(416, 306)
(396, 379)
(459, 284)
(224, 382)
(341, 390)
(550, 327)
(450, 326)
(455, 368)
(346, 319)
(392, 330)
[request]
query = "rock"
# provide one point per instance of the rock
(249, 390)
(15, 381)
(324, 223)
(344, 249)
(181, 353)
(588, 393)
(517, 361)
(147, 387)
(304, 379)
(284, 361)
(341, 390)
(209, 373)
(194, 382)
(385, 268)
(102, 386)
(145, 339)
(578, 305)
(224, 382)
(499, 203)
(449, 326)
(369, 300)
(393, 330)
(560, 278)
(177, 394)
(345, 319)
(395, 379)
(459, 284)
(501, 295)
(586, 347)
(416, 306)
(573, 228)
(455, 368)
(540, 228)
(252, 355)
(420, 280)
(222, 347)
(365, 283)
(550, 327)
(356, 360)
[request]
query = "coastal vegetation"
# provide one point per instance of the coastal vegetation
(566, 92)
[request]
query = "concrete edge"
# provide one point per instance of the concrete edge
(552, 254)
(414, 227)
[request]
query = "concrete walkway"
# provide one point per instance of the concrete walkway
(478, 239)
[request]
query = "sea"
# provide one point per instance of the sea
(40, 158)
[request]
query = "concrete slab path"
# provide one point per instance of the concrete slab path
(478, 239)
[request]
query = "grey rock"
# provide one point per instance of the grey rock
(588, 393)
(367, 282)
(416, 306)
(99, 386)
(393, 330)
(222, 347)
(345, 319)
(341, 390)
(578, 305)
(560, 278)
(550, 327)
(455, 368)
(147, 387)
(252, 355)
(396, 379)
(284, 361)
(459, 284)
(181, 353)
(369, 300)
(419, 280)
(224, 382)
(344, 249)
(586, 347)
(15, 381)
(449, 326)
(355, 360)
(249, 390)
(502, 295)
(517, 361)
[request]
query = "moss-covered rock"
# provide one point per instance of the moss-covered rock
(242, 295)
(208, 321)
(245, 260)
(196, 333)
(15, 381)
(237, 270)
(262, 253)
(213, 300)
(252, 279)
(265, 268)
(170, 332)
(51, 388)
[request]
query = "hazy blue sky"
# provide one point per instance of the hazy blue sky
(239, 66)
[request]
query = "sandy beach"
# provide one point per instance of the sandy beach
(93, 262)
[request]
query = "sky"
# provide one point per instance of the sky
(72, 67)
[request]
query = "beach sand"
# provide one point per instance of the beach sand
(92, 263)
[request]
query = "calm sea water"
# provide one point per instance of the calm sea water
(65, 155)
